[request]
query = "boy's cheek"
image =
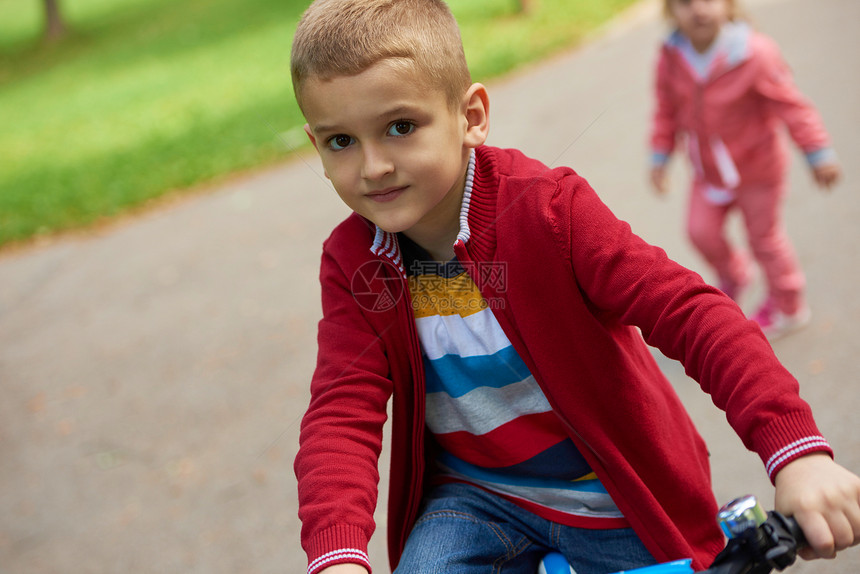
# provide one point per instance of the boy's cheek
(325, 166)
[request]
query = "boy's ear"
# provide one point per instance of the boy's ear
(476, 110)
(311, 135)
(314, 141)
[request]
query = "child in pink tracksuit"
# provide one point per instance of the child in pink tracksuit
(728, 89)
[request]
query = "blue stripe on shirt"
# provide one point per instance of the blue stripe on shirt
(490, 476)
(458, 376)
(560, 461)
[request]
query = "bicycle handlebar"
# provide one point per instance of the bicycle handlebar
(758, 542)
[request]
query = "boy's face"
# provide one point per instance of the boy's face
(394, 149)
(700, 20)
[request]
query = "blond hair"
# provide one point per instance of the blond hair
(735, 11)
(346, 37)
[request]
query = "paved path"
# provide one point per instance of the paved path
(154, 374)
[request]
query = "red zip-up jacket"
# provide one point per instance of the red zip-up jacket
(575, 283)
(738, 110)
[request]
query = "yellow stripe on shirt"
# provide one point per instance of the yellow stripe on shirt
(436, 295)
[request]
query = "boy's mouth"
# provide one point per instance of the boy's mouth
(387, 194)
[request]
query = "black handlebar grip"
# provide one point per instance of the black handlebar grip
(793, 528)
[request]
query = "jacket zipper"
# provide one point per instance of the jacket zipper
(419, 390)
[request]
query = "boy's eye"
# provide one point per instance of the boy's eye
(339, 142)
(401, 128)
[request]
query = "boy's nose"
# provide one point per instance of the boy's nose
(377, 163)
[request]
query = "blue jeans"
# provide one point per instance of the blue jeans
(465, 530)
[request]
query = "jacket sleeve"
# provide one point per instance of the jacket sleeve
(694, 323)
(664, 124)
(341, 433)
(774, 83)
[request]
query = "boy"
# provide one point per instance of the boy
(496, 302)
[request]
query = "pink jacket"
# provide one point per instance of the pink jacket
(575, 281)
(734, 115)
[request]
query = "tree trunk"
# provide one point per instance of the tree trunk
(55, 26)
(525, 6)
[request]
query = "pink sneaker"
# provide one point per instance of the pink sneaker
(775, 324)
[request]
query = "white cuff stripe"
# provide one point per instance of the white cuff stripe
(337, 555)
(796, 447)
(795, 444)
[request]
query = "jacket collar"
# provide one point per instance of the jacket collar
(385, 243)
(730, 50)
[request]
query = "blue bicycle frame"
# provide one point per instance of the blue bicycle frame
(555, 563)
(758, 542)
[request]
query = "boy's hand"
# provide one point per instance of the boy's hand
(824, 498)
(344, 569)
(827, 174)
(658, 178)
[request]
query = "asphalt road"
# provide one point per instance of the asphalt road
(154, 372)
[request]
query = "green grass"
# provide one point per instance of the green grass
(145, 97)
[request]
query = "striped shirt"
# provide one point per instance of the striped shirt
(485, 409)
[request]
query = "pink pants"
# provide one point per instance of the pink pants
(766, 234)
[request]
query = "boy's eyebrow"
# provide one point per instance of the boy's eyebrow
(398, 111)
(322, 128)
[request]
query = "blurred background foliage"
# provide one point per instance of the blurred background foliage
(130, 100)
